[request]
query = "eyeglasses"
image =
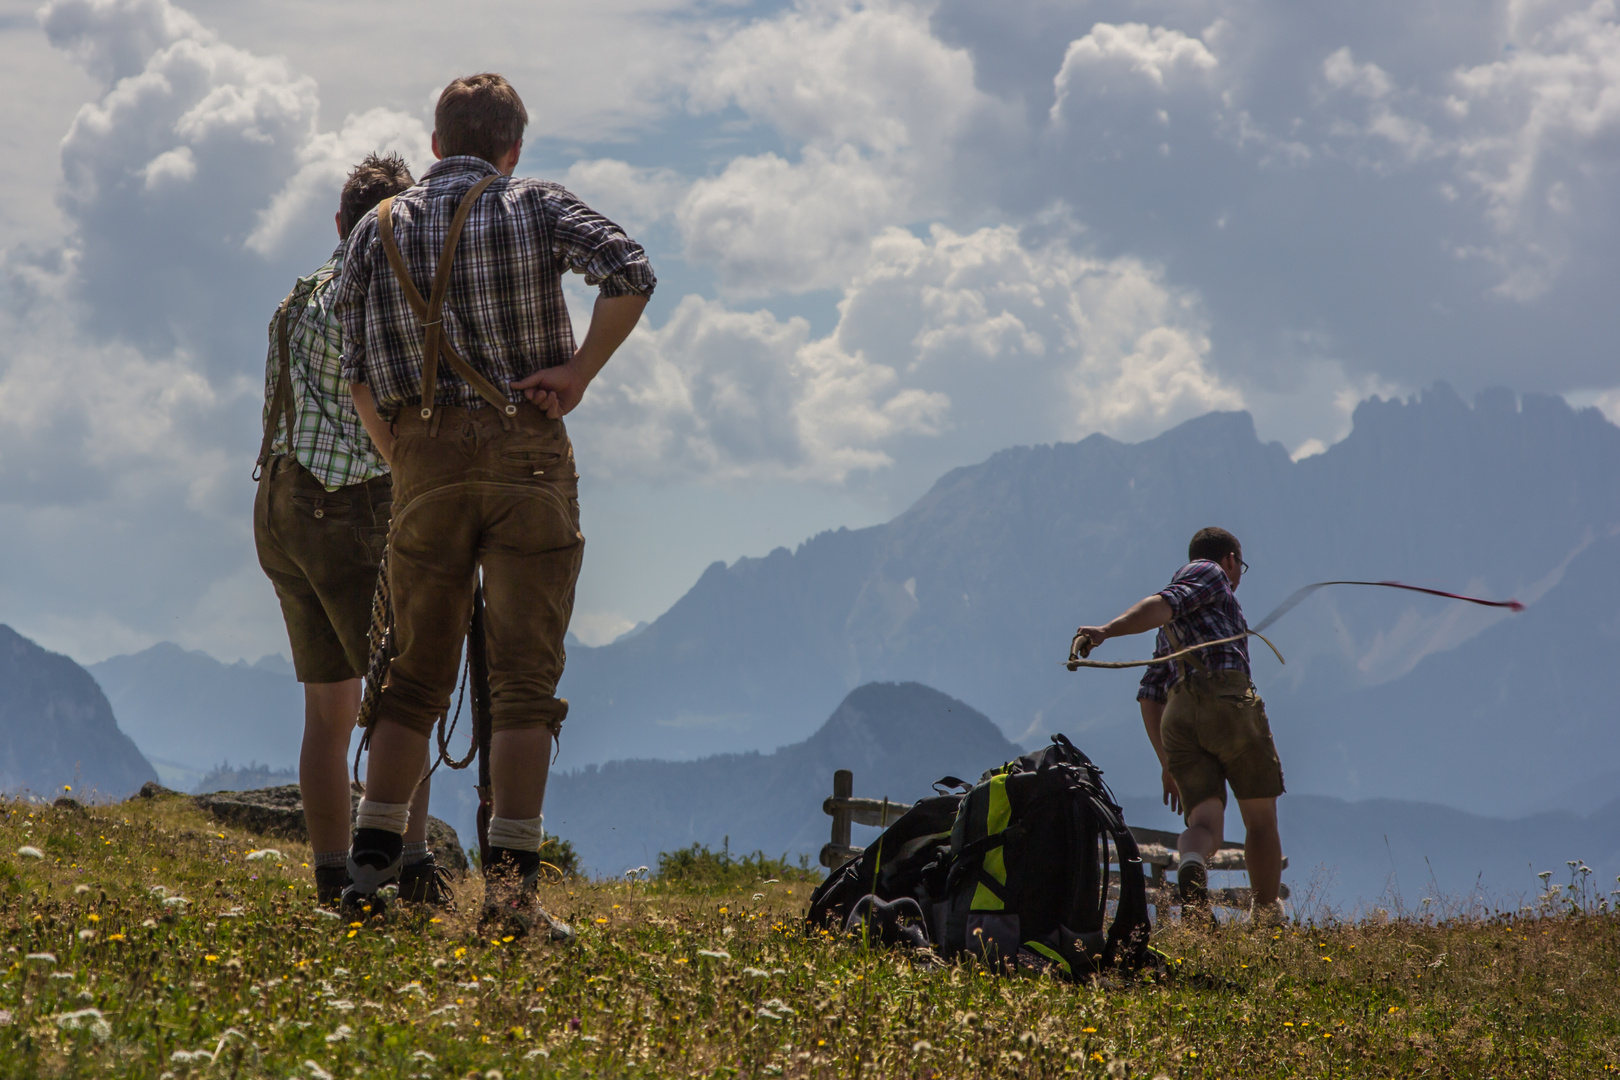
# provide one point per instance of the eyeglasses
(1244, 565)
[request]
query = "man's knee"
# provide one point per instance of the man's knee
(1259, 816)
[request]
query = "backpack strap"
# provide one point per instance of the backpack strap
(430, 312)
(281, 399)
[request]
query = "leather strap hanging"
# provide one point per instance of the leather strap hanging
(281, 398)
(430, 312)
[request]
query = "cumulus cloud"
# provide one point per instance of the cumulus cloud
(1152, 55)
(961, 334)
(876, 104)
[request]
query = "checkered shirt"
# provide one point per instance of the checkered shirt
(1204, 609)
(328, 439)
(504, 313)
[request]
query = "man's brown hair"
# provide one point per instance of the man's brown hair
(479, 115)
(1213, 544)
(372, 181)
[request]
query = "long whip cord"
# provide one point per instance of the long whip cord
(1080, 646)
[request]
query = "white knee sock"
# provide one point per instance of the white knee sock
(517, 834)
(1190, 858)
(388, 816)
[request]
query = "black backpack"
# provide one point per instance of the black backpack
(1014, 872)
(910, 860)
(1028, 881)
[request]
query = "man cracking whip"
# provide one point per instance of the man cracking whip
(1205, 720)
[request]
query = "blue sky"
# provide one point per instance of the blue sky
(891, 237)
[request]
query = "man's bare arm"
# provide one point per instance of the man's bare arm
(563, 386)
(1149, 613)
(375, 426)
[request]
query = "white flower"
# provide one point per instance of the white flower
(175, 901)
(316, 1071)
(28, 851)
(80, 890)
(715, 954)
(268, 854)
(343, 1032)
(42, 957)
(85, 1019)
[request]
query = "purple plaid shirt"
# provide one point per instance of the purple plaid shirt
(504, 312)
(1204, 609)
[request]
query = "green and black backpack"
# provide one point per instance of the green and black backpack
(1029, 882)
(1014, 872)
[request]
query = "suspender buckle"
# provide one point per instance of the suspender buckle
(511, 410)
(427, 414)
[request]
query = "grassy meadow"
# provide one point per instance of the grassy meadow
(141, 940)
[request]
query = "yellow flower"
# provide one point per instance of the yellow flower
(1288, 1023)
(615, 907)
(601, 921)
(723, 910)
(1394, 1008)
(115, 937)
(680, 959)
(435, 919)
(1327, 1034)
(94, 917)
(508, 939)
(1089, 1031)
(459, 953)
(821, 1042)
(353, 932)
(1096, 1056)
(357, 925)
(211, 958)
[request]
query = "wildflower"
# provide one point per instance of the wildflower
(93, 917)
(680, 959)
(80, 890)
(459, 953)
(723, 910)
(42, 957)
(1394, 1008)
(1089, 1030)
(1288, 1023)
(265, 855)
(715, 954)
(343, 1032)
(435, 919)
(90, 1020)
(316, 1071)
(115, 937)
(211, 958)
(1096, 1057)
(27, 851)
(600, 922)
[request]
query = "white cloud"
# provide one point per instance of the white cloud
(324, 163)
(1095, 63)
(968, 336)
(636, 198)
(875, 102)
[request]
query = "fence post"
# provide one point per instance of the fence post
(843, 788)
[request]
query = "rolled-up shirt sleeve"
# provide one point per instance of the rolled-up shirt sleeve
(1194, 585)
(590, 244)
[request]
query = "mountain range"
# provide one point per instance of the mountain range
(976, 589)
(57, 730)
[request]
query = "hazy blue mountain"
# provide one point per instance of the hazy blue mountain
(56, 728)
(977, 587)
(896, 738)
(190, 712)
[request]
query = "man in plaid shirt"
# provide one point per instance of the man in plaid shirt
(1206, 723)
(320, 522)
(462, 361)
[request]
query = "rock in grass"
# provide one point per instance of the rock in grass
(279, 811)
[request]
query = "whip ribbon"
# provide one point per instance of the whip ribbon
(1080, 647)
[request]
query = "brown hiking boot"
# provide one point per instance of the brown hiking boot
(511, 905)
(1192, 888)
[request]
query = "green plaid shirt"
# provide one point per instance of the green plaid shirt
(329, 441)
